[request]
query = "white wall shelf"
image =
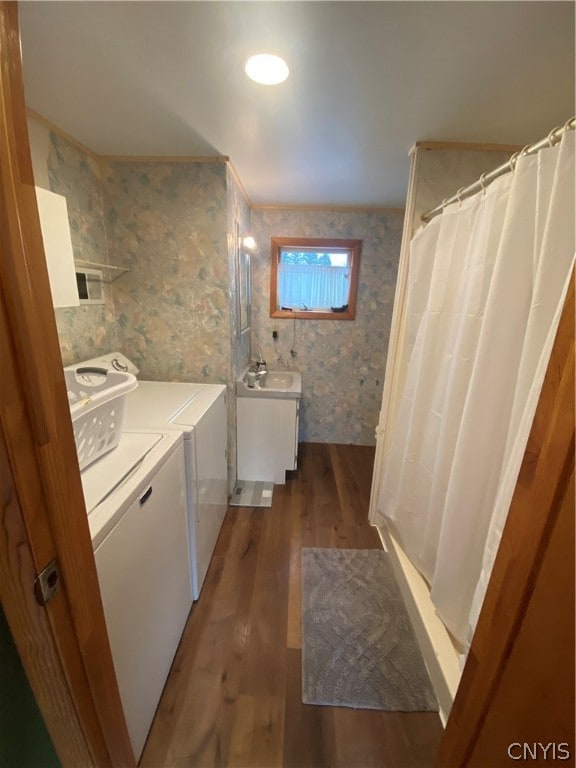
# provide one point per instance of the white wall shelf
(109, 272)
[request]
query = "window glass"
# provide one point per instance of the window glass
(314, 278)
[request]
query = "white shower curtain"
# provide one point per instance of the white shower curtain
(487, 282)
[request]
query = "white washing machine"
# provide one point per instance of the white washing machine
(136, 501)
(198, 412)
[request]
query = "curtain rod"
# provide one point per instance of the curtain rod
(553, 138)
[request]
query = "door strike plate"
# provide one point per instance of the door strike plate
(46, 584)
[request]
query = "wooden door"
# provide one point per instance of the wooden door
(64, 645)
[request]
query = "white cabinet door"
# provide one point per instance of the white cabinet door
(144, 580)
(55, 226)
(267, 438)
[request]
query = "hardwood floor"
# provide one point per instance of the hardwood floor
(233, 697)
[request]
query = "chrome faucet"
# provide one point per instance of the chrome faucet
(259, 365)
(258, 370)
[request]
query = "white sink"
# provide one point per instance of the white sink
(278, 384)
(274, 380)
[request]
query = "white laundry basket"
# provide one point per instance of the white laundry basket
(96, 398)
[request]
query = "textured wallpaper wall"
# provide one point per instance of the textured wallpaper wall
(90, 329)
(440, 173)
(166, 222)
(342, 362)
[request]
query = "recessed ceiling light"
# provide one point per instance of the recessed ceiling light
(267, 69)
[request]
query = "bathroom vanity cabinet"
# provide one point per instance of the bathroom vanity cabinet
(267, 432)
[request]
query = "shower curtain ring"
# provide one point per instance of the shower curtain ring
(512, 161)
(524, 150)
(482, 184)
(444, 201)
(551, 136)
(566, 125)
(458, 195)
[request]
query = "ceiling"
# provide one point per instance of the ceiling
(368, 79)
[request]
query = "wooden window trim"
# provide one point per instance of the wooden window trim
(277, 243)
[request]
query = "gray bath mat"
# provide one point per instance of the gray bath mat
(252, 493)
(358, 645)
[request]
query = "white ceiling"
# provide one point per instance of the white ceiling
(368, 79)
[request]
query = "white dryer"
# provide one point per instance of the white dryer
(136, 502)
(198, 412)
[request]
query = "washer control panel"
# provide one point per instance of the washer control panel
(113, 361)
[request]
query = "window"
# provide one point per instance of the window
(314, 278)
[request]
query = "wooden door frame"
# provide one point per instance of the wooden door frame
(63, 646)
